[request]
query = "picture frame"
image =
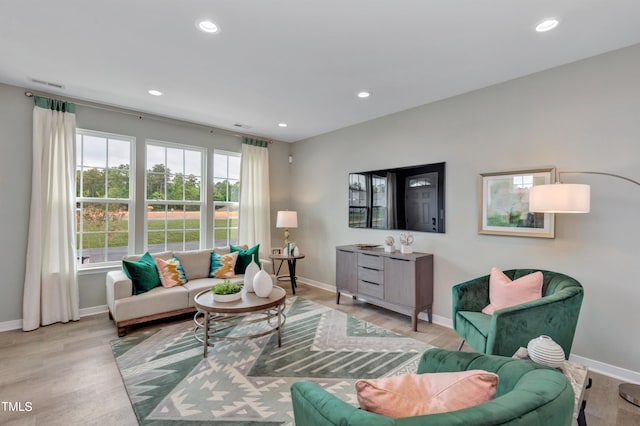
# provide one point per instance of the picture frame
(276, 251)
(504, 204)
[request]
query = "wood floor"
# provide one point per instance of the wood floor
(68, 374)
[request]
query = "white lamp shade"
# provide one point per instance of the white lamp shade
(287, 219)
(560, 198)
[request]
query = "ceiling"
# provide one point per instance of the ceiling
(299, 62)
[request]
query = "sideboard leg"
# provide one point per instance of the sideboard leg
(337, 297)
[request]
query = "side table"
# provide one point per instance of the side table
(578, 376)
(291, 263)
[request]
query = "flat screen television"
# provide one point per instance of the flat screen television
(404, 198)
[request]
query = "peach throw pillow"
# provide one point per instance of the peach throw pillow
(504, 293)
(417, 394)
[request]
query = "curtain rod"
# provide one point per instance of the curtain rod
(140, 116)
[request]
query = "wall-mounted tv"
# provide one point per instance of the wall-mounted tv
(405, 198)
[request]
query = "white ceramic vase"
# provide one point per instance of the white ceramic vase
(249, 275)
(262, 284)
(544, 350)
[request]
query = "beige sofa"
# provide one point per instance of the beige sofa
(126, 309)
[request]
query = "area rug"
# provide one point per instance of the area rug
(247, 382)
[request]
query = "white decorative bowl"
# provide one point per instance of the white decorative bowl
(544, 350)
(227, 297)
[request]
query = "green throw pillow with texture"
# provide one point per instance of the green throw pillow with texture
(245, 257)
(143, 273)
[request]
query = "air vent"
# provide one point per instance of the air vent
(242, 126)
(47, 83)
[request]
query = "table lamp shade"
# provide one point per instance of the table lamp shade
(560, 198)
(287, 219)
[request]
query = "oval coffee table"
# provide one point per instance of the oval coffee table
(213, 318)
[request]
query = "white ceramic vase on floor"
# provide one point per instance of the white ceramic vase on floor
(262, 284)
(249, 275)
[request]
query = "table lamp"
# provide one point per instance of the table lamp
(287, 219)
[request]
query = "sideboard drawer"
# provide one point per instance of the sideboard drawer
(370, 261)
(370, 274)
(370, 289)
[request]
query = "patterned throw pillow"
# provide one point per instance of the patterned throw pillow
(143, 273)
(223, 265)
(171, 272)
(245, 257)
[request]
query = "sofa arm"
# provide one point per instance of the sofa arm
(314, 406)
(119, 286)
(555, 316)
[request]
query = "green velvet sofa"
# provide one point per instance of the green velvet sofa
(508, 329)
(527, 394)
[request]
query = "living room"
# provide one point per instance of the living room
(580, 115)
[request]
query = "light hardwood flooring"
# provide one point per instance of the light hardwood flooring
(68, 374)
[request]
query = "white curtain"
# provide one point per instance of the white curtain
(254, 222)
(51, 286)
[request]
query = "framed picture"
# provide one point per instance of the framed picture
(276, 250)
(504, 204)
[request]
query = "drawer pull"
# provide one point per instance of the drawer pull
(369, 282)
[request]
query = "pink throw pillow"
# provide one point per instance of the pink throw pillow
(504, 293)
(417, 394)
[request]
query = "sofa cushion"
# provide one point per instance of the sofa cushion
(171, 272)
(245, 257)
(156, 301)
(417, 394)
(201, 284)
(196, 263)
(223, 266)
(143, 273)
(504, 293)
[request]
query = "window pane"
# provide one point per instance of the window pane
(175, 160)
(94, 151)
(118, 181)
(119, 153)
(93, 183)
(220, 168)
(156, 185)
(175, 187)
(155, 156)
(234, 167)
(193, 163)
(118, 235)
(192, 188)
(234, 191)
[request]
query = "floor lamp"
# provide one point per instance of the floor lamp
(575, 198)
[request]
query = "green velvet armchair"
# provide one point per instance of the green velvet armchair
(554, 315)
(527, 394)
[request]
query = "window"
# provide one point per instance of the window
(358, 202)
(226, 197)
(104, 182)
(174, 196)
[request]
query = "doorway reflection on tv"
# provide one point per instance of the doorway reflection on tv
(405, 198)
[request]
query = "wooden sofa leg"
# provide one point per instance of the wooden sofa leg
(122, 331)
(461, 345)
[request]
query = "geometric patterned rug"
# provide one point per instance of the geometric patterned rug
(246, 382)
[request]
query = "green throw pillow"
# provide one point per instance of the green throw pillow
(143, 273)
(245, 257)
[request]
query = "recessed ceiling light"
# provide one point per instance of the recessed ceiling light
(155, 92)
(282, 124)
(364, 95)
(208, 26)
(547, 25)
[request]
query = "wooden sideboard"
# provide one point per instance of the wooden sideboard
(399, 282)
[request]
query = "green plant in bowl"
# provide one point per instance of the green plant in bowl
(227, 287)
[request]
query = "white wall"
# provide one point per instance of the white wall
(15, 182)
(582, 116)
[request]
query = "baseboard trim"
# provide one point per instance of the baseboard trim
(593, 365)
(84, 312)
(10, 325)
(607, 369)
